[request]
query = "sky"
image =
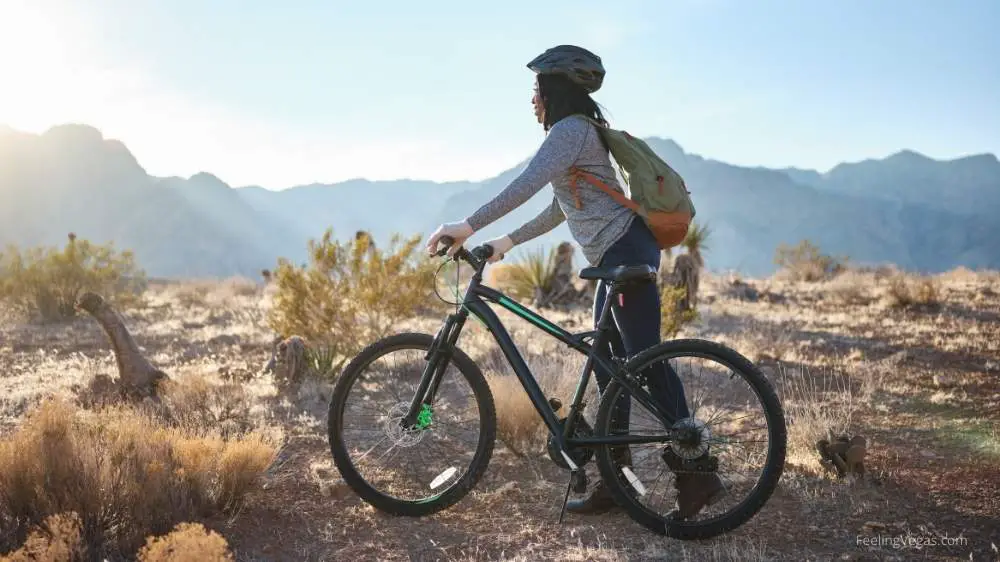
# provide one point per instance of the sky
(282, 94)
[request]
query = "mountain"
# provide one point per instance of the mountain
(907, 208)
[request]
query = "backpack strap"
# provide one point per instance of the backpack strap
(577, 174)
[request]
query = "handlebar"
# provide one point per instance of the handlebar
(476, 257)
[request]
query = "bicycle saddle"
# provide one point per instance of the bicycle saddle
(620, 273)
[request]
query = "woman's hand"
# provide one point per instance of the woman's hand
(500, 247)
(460, 231)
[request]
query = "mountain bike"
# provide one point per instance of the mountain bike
(424, 447)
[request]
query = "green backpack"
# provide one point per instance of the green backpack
(656, 192)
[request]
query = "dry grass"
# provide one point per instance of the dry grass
(125, 474)
(519, 425)
(815, 405)
(852, 287)
(904, 292)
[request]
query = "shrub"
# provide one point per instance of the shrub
(805, 262)
(188, 542)
(531, 274)
(672, 316)
(351, 293)
(124, 474)
(45, 283)
(905, 293)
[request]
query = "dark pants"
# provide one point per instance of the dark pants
(636, 323)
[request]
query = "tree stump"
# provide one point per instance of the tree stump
(137, 377)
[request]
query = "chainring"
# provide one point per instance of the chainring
(580, 455)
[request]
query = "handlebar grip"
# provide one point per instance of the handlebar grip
(448, 241)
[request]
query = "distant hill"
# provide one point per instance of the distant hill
(907, 209)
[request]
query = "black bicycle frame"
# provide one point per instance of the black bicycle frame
(475, 302)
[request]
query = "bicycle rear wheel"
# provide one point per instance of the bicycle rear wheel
(422, 468)
(733, 426)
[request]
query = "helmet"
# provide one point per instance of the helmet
(578, 64)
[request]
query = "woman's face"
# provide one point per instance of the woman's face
(536, 102)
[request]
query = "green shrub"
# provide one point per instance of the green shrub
(532, 273)
(45, 283)
(672, 316)
(350, 294)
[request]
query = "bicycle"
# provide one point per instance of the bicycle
(442, 479)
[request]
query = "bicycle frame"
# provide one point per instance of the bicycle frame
(475, 302)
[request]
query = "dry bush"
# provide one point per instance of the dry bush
(904, 292)
(850, 287)
(188, 542)
(45, 283)
(125, 474)
(193, 402)
(351, 293)
(58, 539)
(805, 262)
(519, 426)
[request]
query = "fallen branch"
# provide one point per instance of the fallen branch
(137, 377)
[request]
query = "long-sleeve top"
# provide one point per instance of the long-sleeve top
(595, 219)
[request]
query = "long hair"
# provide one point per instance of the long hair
(562, 98)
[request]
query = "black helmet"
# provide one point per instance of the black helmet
(578, 64)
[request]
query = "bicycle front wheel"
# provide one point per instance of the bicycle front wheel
(723, 449)
(410, 469)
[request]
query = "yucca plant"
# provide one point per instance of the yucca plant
(531, 275)
(695, 241)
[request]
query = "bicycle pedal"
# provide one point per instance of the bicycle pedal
(578, 481)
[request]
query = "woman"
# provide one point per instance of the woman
(609, 234)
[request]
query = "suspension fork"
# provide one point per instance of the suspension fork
(437, 359)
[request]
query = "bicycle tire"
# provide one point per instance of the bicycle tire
(776, 449)
(487, 433)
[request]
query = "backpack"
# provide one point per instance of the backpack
(656, 192)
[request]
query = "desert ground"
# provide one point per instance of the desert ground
(921, 382)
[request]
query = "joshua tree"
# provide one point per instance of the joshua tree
(687, 266)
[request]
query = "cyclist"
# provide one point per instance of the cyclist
(609, 235)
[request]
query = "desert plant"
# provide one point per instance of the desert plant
(805, 262)
(532, 274)
(187, 542)
(905, 293)
(696, 241)
(45, 283)
(125, 474)
(58, 538)
(351, 293)
(674, 316)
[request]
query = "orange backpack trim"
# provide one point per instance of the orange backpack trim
(669, 228)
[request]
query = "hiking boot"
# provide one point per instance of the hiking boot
(697, 483)
(695, 490)
(600, 499)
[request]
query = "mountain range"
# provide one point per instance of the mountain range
(917, 212)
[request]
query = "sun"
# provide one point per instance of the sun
(39, 65)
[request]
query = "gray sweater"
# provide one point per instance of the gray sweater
(599, 221)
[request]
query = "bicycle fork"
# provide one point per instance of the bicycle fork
(437, 359)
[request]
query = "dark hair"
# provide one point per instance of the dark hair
(562, 97)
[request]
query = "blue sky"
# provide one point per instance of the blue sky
(279, 94)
